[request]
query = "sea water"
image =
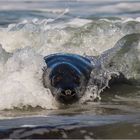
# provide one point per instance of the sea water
(30, 30)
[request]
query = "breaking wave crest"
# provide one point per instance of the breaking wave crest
(24, 45)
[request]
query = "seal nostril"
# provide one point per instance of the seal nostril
(68, 92)
(67, 96)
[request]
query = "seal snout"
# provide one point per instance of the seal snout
(68, 92)
(67, 96)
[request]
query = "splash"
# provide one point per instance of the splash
(24, 45)
(21, 82)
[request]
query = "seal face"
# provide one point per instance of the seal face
(67, 76)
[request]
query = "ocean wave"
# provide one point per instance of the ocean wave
(24, 45)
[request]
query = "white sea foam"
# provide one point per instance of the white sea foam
(26, 43)
(77, 22)
(21, 83)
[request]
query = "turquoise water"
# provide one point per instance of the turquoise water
(30, 30)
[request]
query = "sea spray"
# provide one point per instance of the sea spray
(21, 82)
(24, 45)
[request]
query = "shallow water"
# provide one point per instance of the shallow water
(31, 30)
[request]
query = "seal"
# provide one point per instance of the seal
(67, 75)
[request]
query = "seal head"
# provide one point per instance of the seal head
(67, 76)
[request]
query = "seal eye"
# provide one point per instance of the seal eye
(75, 77)
(56, 80)
(77, 80)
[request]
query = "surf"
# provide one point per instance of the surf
(23, 46)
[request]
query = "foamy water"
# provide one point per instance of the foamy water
(32, 29)
(24, 45)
